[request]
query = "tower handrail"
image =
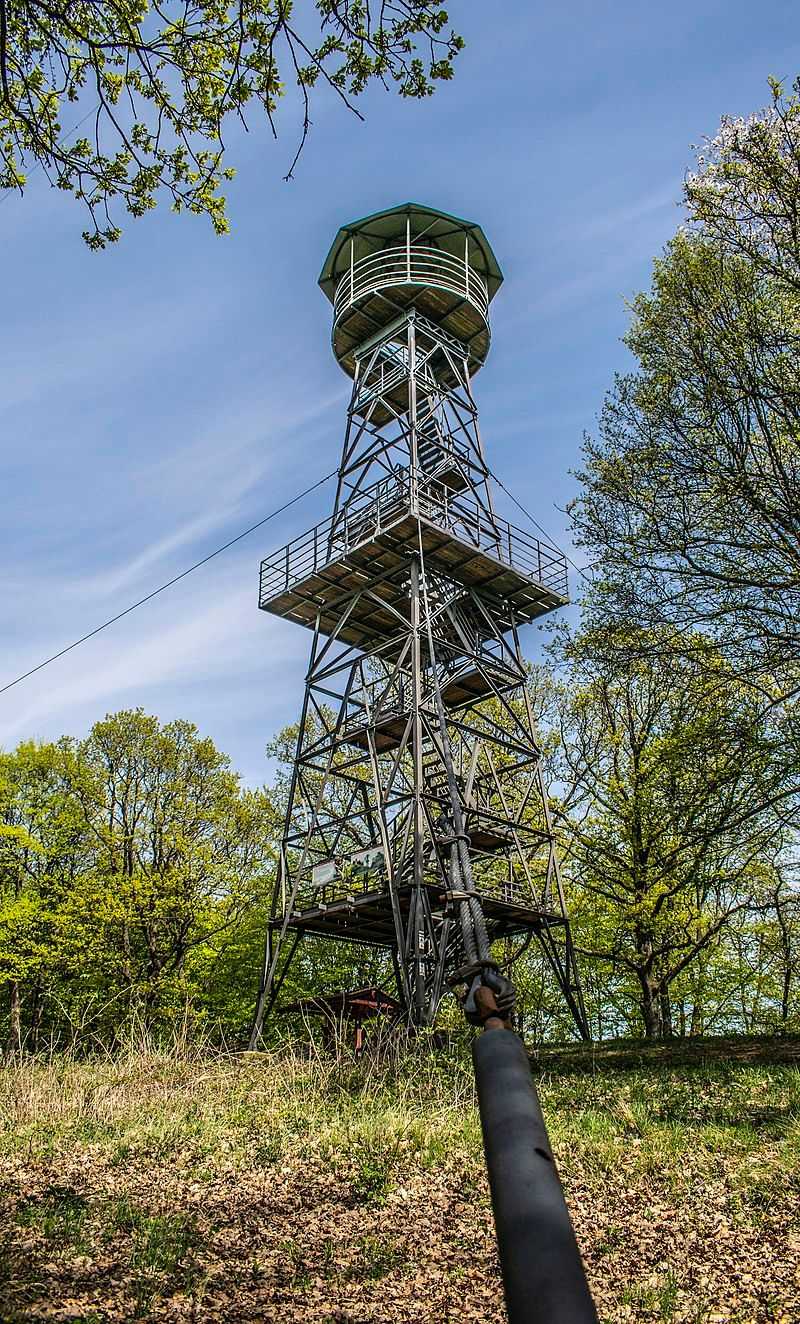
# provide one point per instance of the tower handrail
(385, 504)
(417, 265)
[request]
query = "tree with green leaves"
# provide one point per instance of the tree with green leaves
(673, 792)
(156, 84)
(131, 866)
(180, 854)
(690, 494)
(749, 982)
(43, 849)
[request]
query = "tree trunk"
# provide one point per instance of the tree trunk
(786, 952)
(14, 1019)
(37, 1012)
(665, 1010)
(651, 1012)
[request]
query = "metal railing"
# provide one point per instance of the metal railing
(517, 891)
(378, 701)
(411, 264)
(390, 372)
(383, 505)
(385, 700)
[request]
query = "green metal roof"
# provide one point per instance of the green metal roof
(387, 229)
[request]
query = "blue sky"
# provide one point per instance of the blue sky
(160, 396)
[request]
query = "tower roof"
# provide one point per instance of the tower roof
(386, 229)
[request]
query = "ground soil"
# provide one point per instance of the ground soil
(682, 1183)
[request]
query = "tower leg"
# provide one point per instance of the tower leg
(561, 959)
(271, 981)
(422, 960)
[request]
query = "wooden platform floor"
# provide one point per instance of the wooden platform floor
(463, 690)
(376, 568)
(367, 917)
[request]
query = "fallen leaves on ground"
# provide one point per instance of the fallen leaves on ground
(93, 1234)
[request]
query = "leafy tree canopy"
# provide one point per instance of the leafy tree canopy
(675, 792)
(129, 862)
(162, 78)
(691, 492)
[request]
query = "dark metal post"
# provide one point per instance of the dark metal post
(416, 912)
(543, 1274)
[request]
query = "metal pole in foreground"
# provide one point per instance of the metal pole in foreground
(543, 1274)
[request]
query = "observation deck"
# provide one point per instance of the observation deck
(351, 571)
(410, 257)
(363, 912)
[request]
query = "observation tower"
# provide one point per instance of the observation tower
(417, 788)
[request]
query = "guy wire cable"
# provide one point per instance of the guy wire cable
(169, 583)
(551, 541)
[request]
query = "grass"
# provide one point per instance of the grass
(161, 1250)
(251, 1108)
(60, 1217)
(316, 1186)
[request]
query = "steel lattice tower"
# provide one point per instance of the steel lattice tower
(416, 744)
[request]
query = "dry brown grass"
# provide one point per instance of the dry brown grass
(322, 1188)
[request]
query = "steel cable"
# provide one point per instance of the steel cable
(162, 587)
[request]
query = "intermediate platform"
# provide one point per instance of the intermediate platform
(352, 571)
(385, 709)
(368, 917)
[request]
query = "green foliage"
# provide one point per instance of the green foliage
(690, 504)
(132, 863)
(160, 1249)
(162, 81)
(59, 1215)
(377, 1257)
(673, 788)
(136, 873)
(690, 495)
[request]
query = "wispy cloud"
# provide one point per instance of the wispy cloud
(238, 442)
(557, 298)
(219, 469)
(102, 354)
(618, 220)
(126, 574)
(605, 246)
(160, 396)
(212, 641)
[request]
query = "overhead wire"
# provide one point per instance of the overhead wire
(169, 583)
(580, 570)
(148, 597)
(133, 607)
